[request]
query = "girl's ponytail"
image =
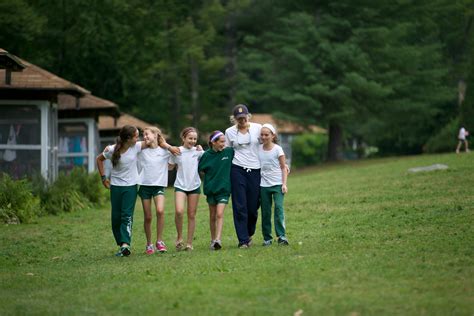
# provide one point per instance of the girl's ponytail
(116, 155)
(127, 132)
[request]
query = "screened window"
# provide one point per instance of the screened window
(20, 140)
(73, 145)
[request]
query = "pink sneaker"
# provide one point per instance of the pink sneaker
(161, 247)
(149, 249)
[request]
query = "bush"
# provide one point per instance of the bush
(309, 149)
(17, 202)
(64, 196)
(445, 140)
(89, 185)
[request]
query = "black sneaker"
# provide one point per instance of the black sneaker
(283, 242)
(125, 250)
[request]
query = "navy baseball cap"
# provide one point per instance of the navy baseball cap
(240, 111)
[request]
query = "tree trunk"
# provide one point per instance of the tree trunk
(175, 110)
(194, 91)
(335, 142)
(231, 53)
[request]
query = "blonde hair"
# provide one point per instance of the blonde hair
(155, 130)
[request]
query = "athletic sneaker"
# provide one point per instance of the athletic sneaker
(161, 247)
(283, 241)
(217, 244)
(243, 246)
(125, 250)
(189, 248)
(212, 246)
(179, 245)
(267, 243)
(250, 242)
(149, 249)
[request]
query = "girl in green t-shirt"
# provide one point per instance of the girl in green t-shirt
(215, 163)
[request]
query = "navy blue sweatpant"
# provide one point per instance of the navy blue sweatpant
(245, 201)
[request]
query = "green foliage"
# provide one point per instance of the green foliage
(445, 140)
(382, 71)
(20, 24)
(88, 185)
(64, 196)
(309, 149)
(17, 203)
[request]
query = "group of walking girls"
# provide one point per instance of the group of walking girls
(245, 162)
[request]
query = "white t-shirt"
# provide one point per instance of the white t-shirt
(270, 171)
(187, 177)
(125, 173)
(153, 166)
(245, 145)
(462, 134)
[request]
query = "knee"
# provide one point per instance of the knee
(179, 213)
(160, 212)
(148, 218)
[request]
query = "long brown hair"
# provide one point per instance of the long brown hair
(127, 132)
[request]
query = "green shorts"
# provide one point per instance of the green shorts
(195, 191)
(213, 199)
(146, 192)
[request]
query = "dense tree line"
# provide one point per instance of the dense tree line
(386, 73)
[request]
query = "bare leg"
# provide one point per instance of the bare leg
(147, 219)
(219, 220)
(180, 200)
(160, 216)
(193, 200)
(212, 220)
(458, 147)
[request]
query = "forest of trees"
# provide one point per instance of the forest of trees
(385, 73)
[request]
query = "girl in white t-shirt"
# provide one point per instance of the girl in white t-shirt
(153, 179)
(187, 186)
(123, 182)
(273, 185)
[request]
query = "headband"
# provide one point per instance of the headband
(216, 136)
(270, 127)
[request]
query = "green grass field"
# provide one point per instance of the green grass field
(367, 238)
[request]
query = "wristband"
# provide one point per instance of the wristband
(103, 178)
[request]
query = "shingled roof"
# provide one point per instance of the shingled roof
(35, 78)
(88, 105)
(110, 123)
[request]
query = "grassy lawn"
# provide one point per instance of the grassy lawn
(365, 238)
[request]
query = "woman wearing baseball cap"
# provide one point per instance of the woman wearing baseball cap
(243, 136)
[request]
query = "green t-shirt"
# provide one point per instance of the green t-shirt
(216, 167)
